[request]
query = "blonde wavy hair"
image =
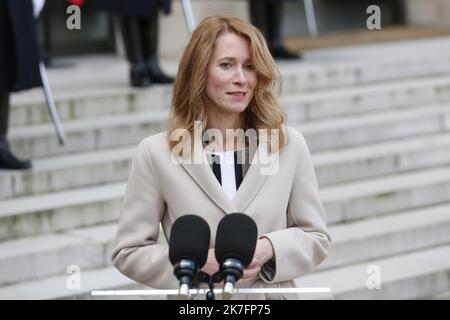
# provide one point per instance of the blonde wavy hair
(187, 106)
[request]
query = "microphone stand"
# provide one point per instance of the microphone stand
(210, 280)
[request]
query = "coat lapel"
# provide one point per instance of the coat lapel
(202, 174)
(256, 173)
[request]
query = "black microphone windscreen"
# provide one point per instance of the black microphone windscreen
(189, 239)
(236, 238)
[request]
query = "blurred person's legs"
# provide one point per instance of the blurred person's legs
(267, 17)
(149, 40)
(258, 15)
(19, 67)
(132, 42)
(139, 27)
(140, 37)
(7, 159)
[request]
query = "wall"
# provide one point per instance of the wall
(173, 30)
(428, 13)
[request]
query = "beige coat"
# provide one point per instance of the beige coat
(285, 205)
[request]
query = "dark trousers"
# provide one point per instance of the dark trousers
(140, 36)
(4, 114)
(7, 159)
(266, 16)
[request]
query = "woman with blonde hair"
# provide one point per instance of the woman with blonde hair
(226, 149)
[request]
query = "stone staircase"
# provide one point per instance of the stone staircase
(377, 121)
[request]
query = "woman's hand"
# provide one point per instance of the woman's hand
(211, 266)
(263, 253)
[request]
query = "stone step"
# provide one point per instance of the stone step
(58, 211)
(380, 97)
(105, 166)
(364, 129)
(113, 131)
(56, 287)
(64, 210)
(378, 159)
(51, 254)
(378, 237)
(441, 296)
(38, 257)
(91, 248)
(356, 65)
(415, 275)
(67, 172)
(88, 103)
(88, 134)
(82, 104)
(385, 195)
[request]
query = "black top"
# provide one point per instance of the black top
(238, 171)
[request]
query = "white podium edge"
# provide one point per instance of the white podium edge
(152, 292)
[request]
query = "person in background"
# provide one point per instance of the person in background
(19, 64)
(139, 26)
(267, 16)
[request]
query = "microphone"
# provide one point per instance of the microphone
(235, 246)
(188, 249)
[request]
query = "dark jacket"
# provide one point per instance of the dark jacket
(142, 8)
(19, 52)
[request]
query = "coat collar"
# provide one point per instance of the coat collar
(261, 165)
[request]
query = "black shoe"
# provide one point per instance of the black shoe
(139, 77)
(161, 78)
(280, 52)
(9, 161)
(156, 74)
